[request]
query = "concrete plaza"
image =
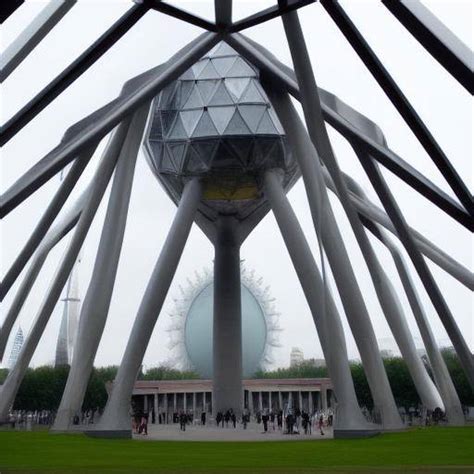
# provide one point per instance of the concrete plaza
(254, 432)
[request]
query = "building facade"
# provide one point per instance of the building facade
(166, 397)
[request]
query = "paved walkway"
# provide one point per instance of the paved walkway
(254, 432)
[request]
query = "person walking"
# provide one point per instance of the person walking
(265, 422)
(320, 425)
(233, 418)
(203, 418)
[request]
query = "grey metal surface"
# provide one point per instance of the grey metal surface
(278, 73)
(46, 220)
(216, 122)
(135, 93)
(96, 304)
(227, 392)
(436, 38)
(325, 222)
(223, 10)
(116, 413)
(54, 235)
(400, 102)
(98, 187)
(432, 288)
(32, 35)
(368, 209)
(452, 405)
(323, 309)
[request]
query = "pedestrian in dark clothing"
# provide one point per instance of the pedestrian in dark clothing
(182, 421)
(227, 418)
(233, 418)
(203, 418)
(265, 422)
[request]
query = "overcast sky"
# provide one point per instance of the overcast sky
(442, 103)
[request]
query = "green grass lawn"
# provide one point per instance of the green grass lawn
(428, 450)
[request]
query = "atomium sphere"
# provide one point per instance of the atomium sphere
(192, 331)
(216, 122)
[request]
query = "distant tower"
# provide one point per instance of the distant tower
(296, 356)
(17, 344)
(68, 328)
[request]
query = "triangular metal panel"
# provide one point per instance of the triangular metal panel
(224, 50)
(206, 150)
(209, 72)
(276, 120)
(266, 125)
(205, 127)
(194, 164)
(252, 114)
(156, 130)
(166, 96)
(199, 66)
(221, 116)
(178, 131)
(237, 126)
(195, 100)
(167, 119)
(206, 88)
(240, 69)
(188, 75)
(221, 96)
(167, 162)
(252, 94)
(241, 147)
(222, 65)
(178, 153)
(190, 119)
(236, 86)
(261, 151)
(185, 92)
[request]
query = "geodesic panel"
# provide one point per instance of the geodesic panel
(216, 122)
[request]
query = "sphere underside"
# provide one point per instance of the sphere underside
(216, 122)
(198, 332)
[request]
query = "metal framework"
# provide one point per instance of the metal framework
(207, 97)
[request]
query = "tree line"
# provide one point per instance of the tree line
(42, 387)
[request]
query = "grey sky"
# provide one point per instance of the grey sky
(442, 103)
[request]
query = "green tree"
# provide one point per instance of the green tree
(466, 395)
(166, 373)
(305, 370)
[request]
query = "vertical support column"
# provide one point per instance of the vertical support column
(227, 328)
(260, 401)
(175, 402)
(310, 402)
(96, 304)
(185, 402)
(323, 309)
(269, 400)
(310, 101)
(280, 401)
(290, 399)
(155, 406)
(166, 408)
(250, 401)
(145, 402)
(96, 191)
(115, 418)
(300, 400)
(194, 403)
(324, 398)
(204, 401)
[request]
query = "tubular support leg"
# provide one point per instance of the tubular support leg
(327, 320)
(346, 281)
(116, 417)
(96, 303)
(227, 322)
(101, 179)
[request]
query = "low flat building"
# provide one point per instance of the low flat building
(195, 396)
